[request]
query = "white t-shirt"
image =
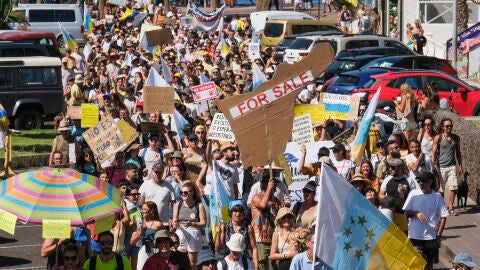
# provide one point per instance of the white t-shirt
(281, 192)
(433, 206)
(229, 177)
(238, 265)
(162, 195)
(343, 167)
(425, 166)
(150, 157)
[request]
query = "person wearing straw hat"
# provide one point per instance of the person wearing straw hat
(281, 189)
(62, 143)
(282, 250)
(76, 94)
(463, 261)
(360, 183)
(235, 259)
(165, 258)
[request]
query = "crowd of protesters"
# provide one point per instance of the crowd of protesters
(165, 183)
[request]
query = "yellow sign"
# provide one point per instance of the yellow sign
(103, 224)
(7, 222)
(89, 115)
(56, 228)
(317, 112)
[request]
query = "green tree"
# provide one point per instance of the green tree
(8, 16)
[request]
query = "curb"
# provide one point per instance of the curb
(27, 161)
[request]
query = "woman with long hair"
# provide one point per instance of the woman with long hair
(306, 211)
(426, 135)
(405, 108)
(131, 202)
(189, 218)
(86, 163)
(238, 224)
(430, 97)
(282, 251)
(366, 169)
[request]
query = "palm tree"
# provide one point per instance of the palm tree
(462, 16)
(8, 16)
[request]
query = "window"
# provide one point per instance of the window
(37, 76)
(41, 15)
(444, 85)
(361, 43)
(5, 80)
(346, 80)
(440, 11)
(64, 15)
(273, 30)
(301, 44)
(12, 52)
(414, 82)
(398, 45)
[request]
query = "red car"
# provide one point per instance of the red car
(462, 97)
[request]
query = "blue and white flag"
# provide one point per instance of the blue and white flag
(218, 201)
(258, 77)
(204, 21)
(167, 75)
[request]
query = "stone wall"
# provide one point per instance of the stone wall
(470, 147)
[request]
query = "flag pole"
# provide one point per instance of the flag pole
(269, 143)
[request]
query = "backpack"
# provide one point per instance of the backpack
(93, 262)
(225, 266)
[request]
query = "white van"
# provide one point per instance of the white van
(45, 17)
(259, 18)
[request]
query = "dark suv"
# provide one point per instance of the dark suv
(31, 89)
(24, 49)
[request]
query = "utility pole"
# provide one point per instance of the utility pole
(454, 35)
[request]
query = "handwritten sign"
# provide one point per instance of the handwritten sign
(254, 51)
(158, 99)
(107, 137)
(7, 222)
(221, 129)
(206, 91)
(159, 36)
(302, 131)
(89, 115)
(56, 229)
(75, 112)
(103, 224)
(152, 127)
(332, 107)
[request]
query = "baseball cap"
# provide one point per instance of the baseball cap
(338, 147)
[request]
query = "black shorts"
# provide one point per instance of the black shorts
(427, 248)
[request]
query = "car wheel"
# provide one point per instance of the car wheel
(61, 42)
(29, 119)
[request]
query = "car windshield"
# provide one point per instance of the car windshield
(347, 80)
(379, 63)
(301, 44)
(369, 83)
(286, 42)
(273, 29)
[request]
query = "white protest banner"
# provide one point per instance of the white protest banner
(302, 131)
(254, 51)
(203, 92)
(293, 155)
(220, 129)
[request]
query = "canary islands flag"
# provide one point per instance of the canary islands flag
(87, 20)
(358, 146)
(351, 233)
(69, 40)
(223, 46)
(218, 201)
(258, 77)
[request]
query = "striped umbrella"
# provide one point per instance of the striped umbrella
(58, 193)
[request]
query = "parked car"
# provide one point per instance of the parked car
(45, 17)
(259, 18)
(23, 49)
(38, 37)
(285, 43)
(385, 51)
(414, 62)
(348, 64)
(462, 97)
(301, 47)
(352, 80)
(31, 89)
(276, 30)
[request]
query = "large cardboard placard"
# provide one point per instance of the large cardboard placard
(302, 131)
(331, 107)
(221, 129)
(152, 127)
(203, 92)
(75, 112)
(89, 115)
(107, 137)
(157, 98)
(159, 37)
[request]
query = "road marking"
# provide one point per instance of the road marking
(22, 246)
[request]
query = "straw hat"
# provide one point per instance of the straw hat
(284, 211)
(358, 177)
(63, 126)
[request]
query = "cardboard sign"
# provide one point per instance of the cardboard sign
(152, 127)
(262, 120)
(158, 99)
(103, 224)
(117, 2)
(159, 37)
(75, 112)
(206, 91)
(7, 222)
(89, 115)
(340, 107)
(254, 51)
(302, 131)
(56, 229)
(220, 129)
(107, 137)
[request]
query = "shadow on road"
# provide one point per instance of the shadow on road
(12, 261)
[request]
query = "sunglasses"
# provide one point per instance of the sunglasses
(134, 194)
(208, 263)
(307, 191)
(106, 243)
(448, 126)
(185, 193)
(68, 258)
(239, 210)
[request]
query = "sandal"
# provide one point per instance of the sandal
(452, 212)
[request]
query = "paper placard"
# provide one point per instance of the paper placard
(103, 224)
(56, 229)
(107, 137)
(254, 51)
(333, 109)
(158, 99)
(116, 2)
(89, 115)
(302, 131)
(7, 222)
(75, 112)
(159, 37)
(204, 92)
(72, 157)
(152, 127)
(220, 129)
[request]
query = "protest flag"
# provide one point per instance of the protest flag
(258, 77)
(178, 121)
(167, 75)
(223, 46)
(350, 233)
(87, 20)
(127, 61)
(154, 79)
(358, 146)
(218, 201)
(69, 40)
(127, 13)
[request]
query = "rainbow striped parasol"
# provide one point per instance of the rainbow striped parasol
(58, 193)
